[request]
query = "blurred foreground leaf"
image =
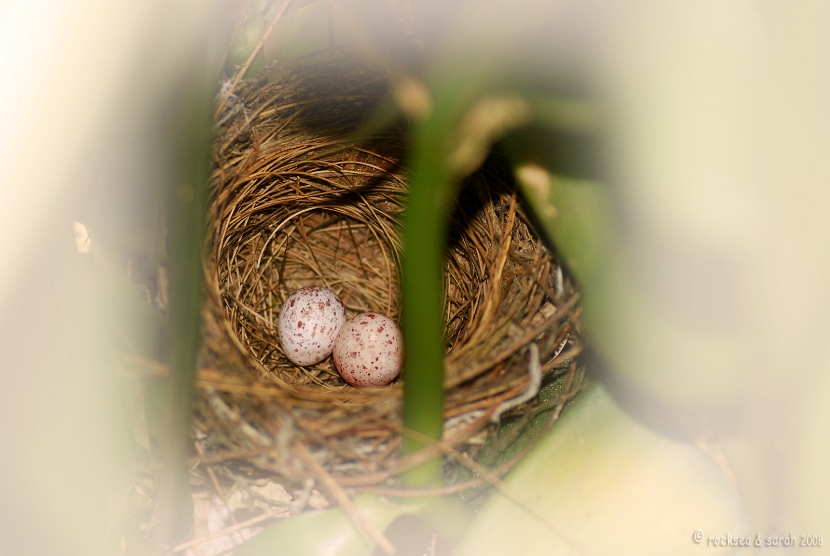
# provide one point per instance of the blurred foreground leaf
(574, 214)
(609, 486)
(331, 532)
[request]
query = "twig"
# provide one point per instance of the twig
(218, 488)
(256, 50)
(336, 492)
(225, 532)
(233, 37)
(534, 369)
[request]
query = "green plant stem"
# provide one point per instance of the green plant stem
(424, 237)
(186, 205)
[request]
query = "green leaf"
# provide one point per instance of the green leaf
(325, 532)
(331, 531)
(601, 483)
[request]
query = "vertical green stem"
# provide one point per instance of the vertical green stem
(424, 237)
(186, 206)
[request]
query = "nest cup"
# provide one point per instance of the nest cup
(296, 203)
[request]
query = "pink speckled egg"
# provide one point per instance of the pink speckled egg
(368, 350)
(309, 322)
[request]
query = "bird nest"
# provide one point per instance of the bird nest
(295, 202)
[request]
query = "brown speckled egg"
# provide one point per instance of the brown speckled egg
(369, 350)
(309, 322)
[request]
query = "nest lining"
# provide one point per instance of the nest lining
(296, 203)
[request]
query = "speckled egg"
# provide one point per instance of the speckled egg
(309, 322)
(368, 350)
